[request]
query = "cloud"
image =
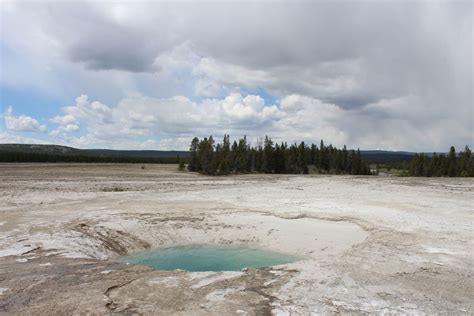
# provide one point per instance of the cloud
(141, 122)
(376, 75)
(22, 123)
(144, 116)
(113, 54)
(10, 138)
(64, 120)
(170, 123)
(343, 52)
(66, 123)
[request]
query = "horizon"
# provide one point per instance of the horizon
(250, 144)
(391, 76)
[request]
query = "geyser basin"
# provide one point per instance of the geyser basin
(209, 258)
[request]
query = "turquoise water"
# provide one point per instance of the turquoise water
(209, 258)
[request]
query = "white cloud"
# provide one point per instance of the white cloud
(22, 123)
(11, 138)
(64, 119)
(170, 123)
(250, 109)
(144, 116)
(293, 103)
(394, 75)
(141, 122)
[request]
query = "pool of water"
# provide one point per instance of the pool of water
(209, 258)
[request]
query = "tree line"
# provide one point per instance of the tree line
(208, 157)
(12, 156)
(441, 165)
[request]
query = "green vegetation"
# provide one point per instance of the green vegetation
(181, 164)
(207, 157)
(12, 156)
(452, 165)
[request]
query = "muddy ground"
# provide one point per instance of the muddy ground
(372, 244)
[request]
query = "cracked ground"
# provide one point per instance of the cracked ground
(372, 244)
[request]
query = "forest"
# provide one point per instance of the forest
(16, 156)
(208, 157)
(440, 165)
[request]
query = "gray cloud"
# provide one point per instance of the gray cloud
(106, 51)
(387, 63)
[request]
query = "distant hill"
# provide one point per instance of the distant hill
(57, 150)
(137, 153)
(56, 153)
(39, 149)
(385, 156)
(70, 151)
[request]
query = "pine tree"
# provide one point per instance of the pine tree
(452, 163)
(323, 157)
(280, 160)
(267, 162)
(209, 158)
(345, 160)
(194, 161)
(241, 156)
(312, 159)
(466, 163)
(302, 160)
(224, 156)
(353, 163)
(181, 164)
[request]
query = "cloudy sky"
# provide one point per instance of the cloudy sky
(371, 74)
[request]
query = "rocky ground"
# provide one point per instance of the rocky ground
(372, 244)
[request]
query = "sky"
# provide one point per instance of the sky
(393, 75)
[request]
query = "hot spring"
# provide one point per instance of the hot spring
(209, 258)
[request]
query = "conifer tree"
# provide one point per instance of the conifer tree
(267, 162)
(224, 163)
(193, 164)
(210, 158)
(452, 163)
(466, 163)
(181, 164)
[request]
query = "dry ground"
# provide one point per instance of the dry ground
(373, 244)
